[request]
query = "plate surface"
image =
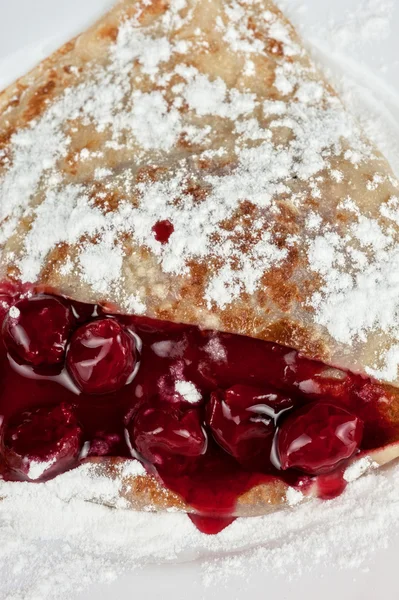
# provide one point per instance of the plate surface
(358, 33)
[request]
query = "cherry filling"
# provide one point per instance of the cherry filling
(210, 414)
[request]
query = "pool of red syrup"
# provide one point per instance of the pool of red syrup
(211, 361)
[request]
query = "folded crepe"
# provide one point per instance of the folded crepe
(208, 123)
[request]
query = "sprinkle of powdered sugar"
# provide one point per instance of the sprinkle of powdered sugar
(60, 540)
(216, 349)
(359, 468)
(369, 21)
(14, 312)
(294, 497)
(37, 468)
(189, 391)
(163, 349)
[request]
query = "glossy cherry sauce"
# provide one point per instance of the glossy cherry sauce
(213, 362)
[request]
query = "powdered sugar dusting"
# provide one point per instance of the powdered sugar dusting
(369, 21)
(286, 543)
(168, 348)
(271, 144)
(216, 349)
(294, 497)
(189, 391)
(359, 468)
(37, 468)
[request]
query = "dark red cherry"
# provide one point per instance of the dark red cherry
(242, 420)
(318, 437)
(39, 444)
(167, 437)
(101, 356)
(36, 330)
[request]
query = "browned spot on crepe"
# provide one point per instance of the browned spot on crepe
(39, 100)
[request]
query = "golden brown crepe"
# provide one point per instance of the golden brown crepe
(208, 114)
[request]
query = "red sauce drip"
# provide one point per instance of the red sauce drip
(163, 230)
(331, 485)
(211, 362)
(215, 485)
(211, 525)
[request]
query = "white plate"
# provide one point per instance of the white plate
(29, 31)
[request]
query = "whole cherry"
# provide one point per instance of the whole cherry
(39, 444)
(167, 436)
(318, 437)
(36, 330)
(101, 356)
